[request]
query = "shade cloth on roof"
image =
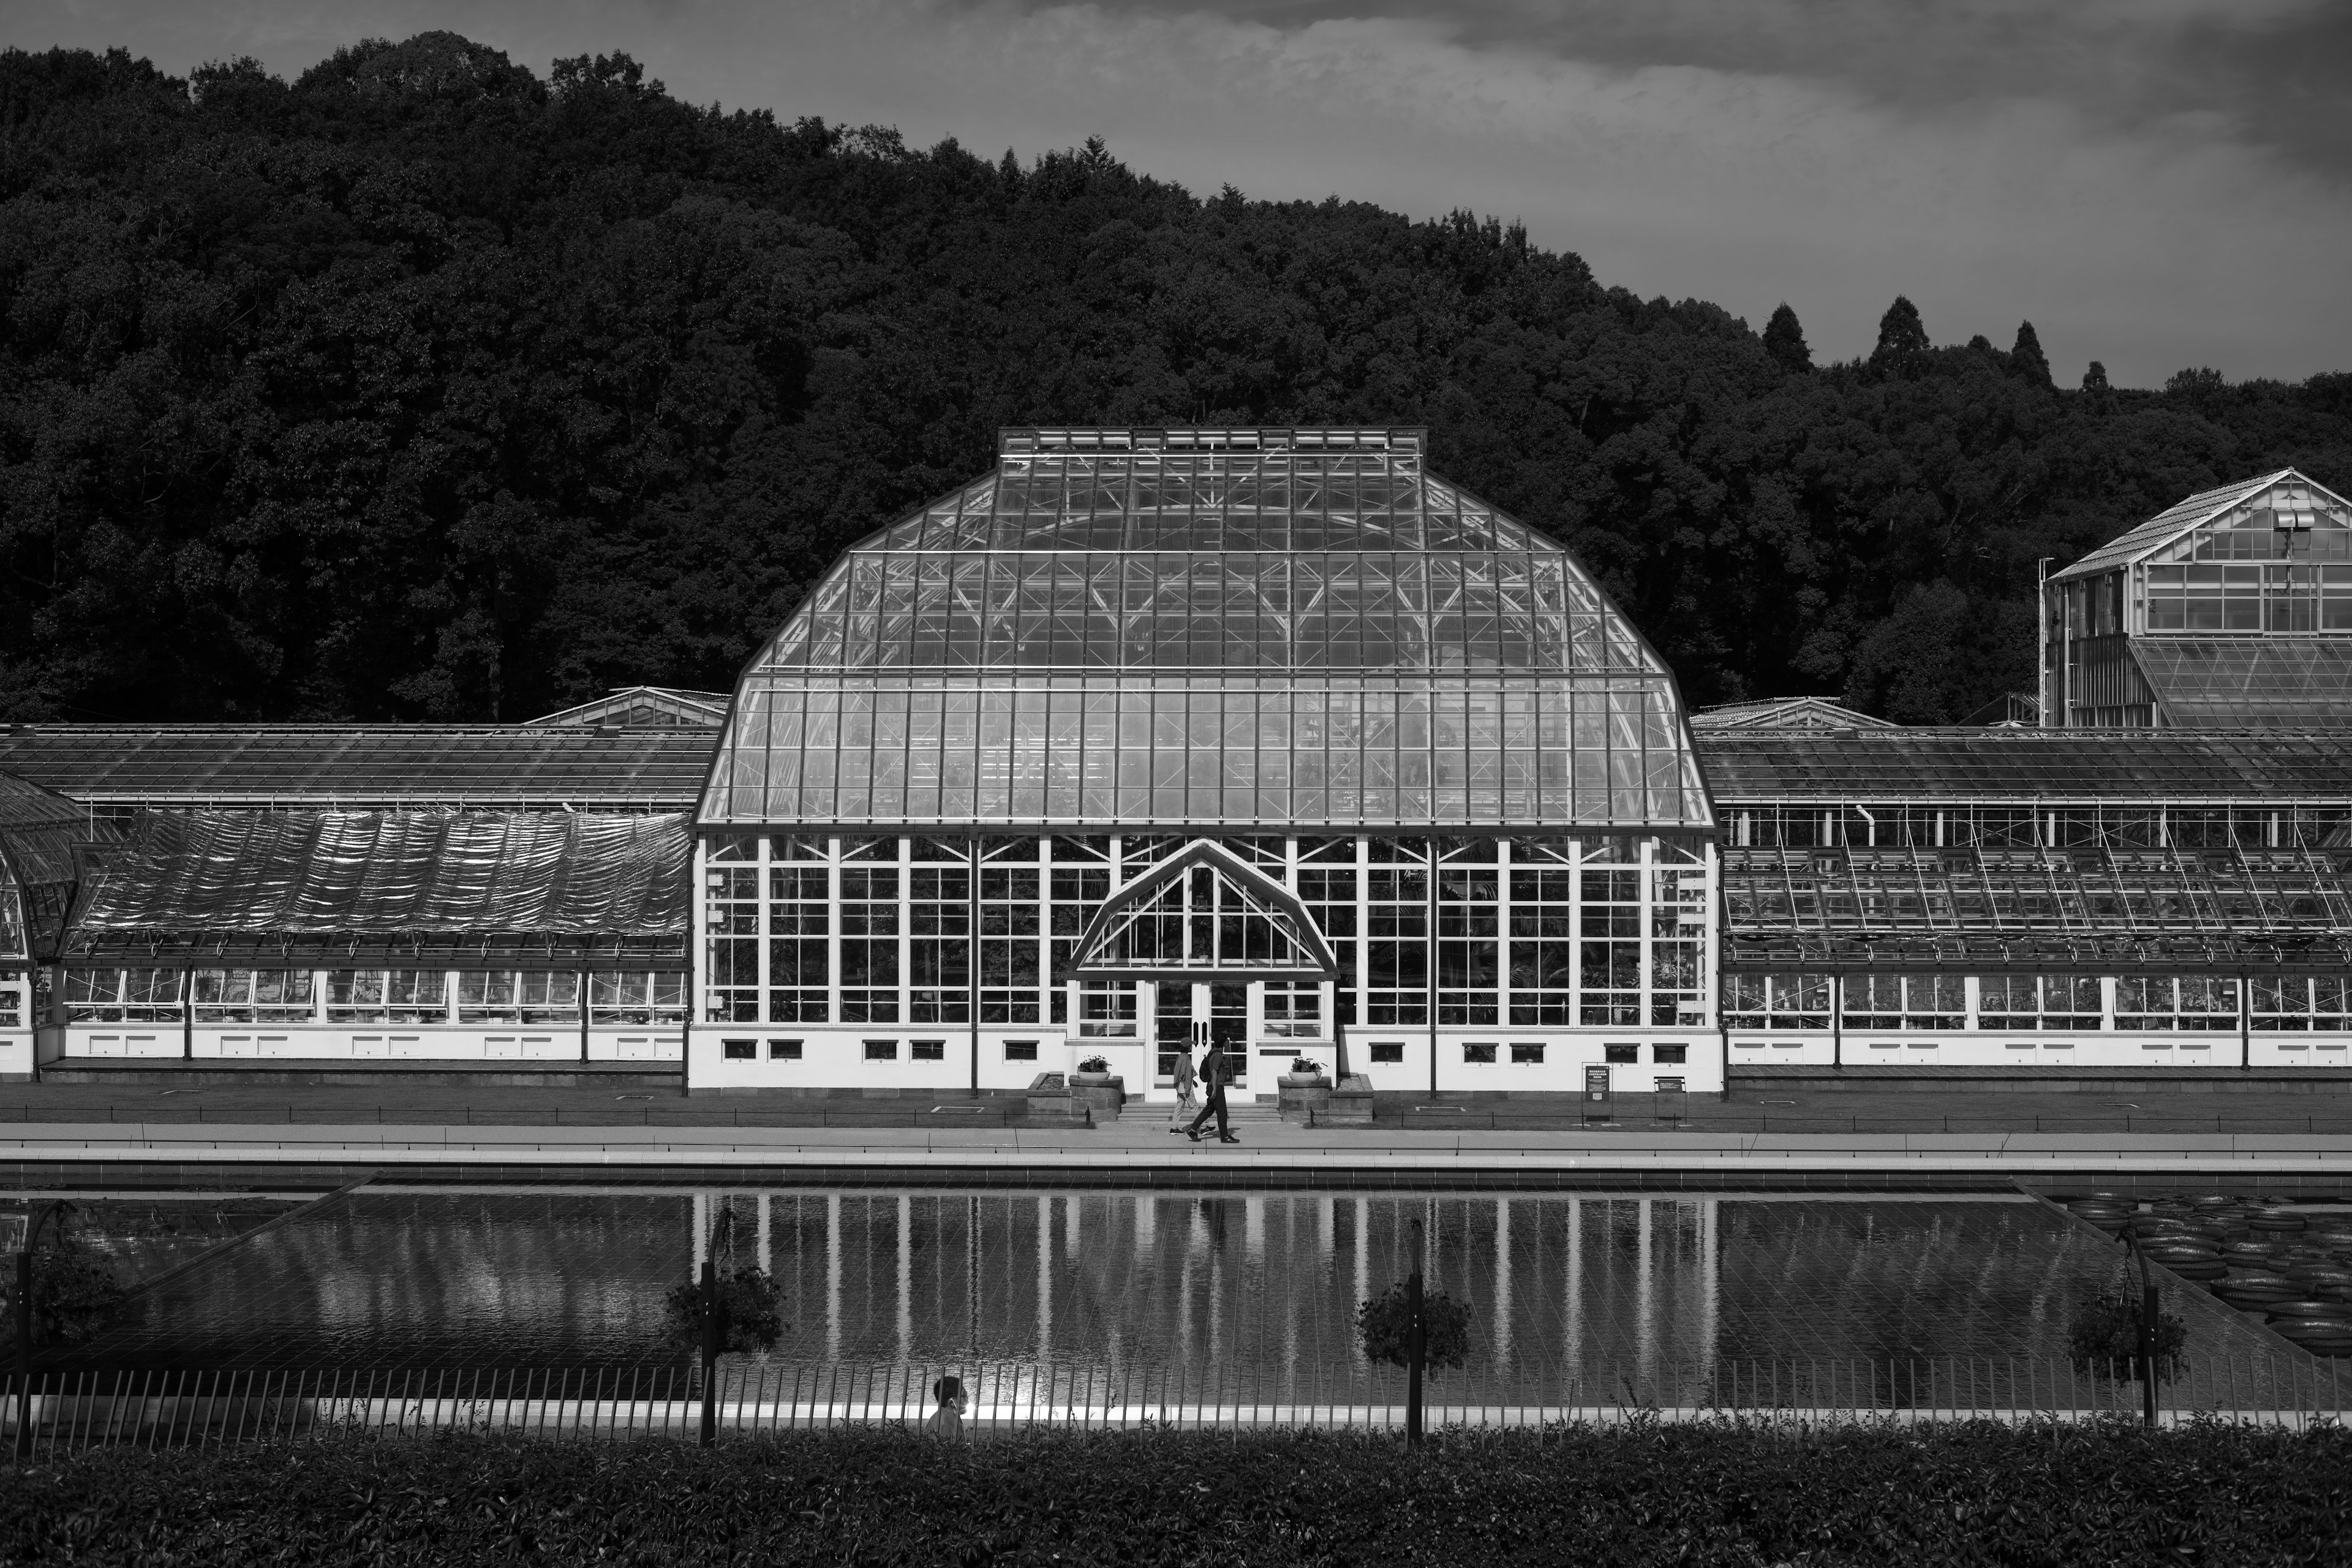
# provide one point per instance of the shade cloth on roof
(363, 767)
(2173, 521)
(2210, 683)
(1925, 766)
(383, 873)
(39, 833)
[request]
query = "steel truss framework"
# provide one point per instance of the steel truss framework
(1204, 913)
(1208, 628)
(2114, 912)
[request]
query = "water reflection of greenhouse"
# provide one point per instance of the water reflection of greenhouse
(1257, 1290)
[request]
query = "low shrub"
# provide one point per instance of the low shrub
(76, 1291)
(748, 1316)
(1383, 1324)
(2034, 1496)
(2104, 1337)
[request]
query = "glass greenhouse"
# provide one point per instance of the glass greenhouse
(1263, 736)
(2230, 610)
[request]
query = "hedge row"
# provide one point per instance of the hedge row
(1643, 1494)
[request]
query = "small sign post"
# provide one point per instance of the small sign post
(1599, 1097)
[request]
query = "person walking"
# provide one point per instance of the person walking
(1214, 1074)
(1187, 1083)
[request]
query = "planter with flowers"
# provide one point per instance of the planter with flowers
(1100, 1091)
(1304, 1091)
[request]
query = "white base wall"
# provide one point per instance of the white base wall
(834, 1057)
(344, 1042)
(2181, 1051)
(15, 1055)
(1567, 1054)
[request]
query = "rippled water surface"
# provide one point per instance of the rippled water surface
(1557, 1284)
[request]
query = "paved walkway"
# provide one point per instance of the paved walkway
(1271, 1152)
(1774, 1108)
(2295, 1143)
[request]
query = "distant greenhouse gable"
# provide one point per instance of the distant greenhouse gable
(2232, 609)
(1208, 628)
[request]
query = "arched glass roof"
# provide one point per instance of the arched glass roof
(1207, 628)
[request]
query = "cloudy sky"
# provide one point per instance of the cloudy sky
(2154, 184)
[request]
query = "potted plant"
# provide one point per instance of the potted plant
(1305, 1071)
(1094, 1070)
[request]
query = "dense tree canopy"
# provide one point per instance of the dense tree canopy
(420, 387)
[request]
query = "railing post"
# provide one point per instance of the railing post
(1413, 1347)
(710, 1348)
(25, 1351)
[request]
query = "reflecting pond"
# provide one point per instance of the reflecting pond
(1557, 1284)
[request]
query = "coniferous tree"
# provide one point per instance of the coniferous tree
(1784, 339)
(2026, 359)
(1902, 341)
(2096, 378)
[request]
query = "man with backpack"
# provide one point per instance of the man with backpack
(1215, 1075)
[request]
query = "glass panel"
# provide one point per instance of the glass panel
(1263, 627)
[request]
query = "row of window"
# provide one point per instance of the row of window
(371, 995)
(1388, 1052)
(741, 1051)
(806, 932)
(1898, 825)
(2034, 1002)
(2296, 598)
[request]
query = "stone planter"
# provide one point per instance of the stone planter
(1350, 1104)
(1101, 1093)
(1301, 1097)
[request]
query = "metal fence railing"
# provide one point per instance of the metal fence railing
(73, 1410)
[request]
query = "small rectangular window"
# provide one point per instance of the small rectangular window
(1524, 1054)
(1387, 1050)
(1670, 1056)
(1020, 1050)
(930, 1050)
(1621, 1053)
(740, 1050)
(1478, 1054)
(783, 1050)
(881, 1050)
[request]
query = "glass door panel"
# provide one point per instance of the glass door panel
(1229, 1027)
(1172, 1027)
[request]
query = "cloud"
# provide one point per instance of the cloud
(2274, 72)
(2108, 171)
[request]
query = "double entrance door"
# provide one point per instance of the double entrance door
(1192, 1016)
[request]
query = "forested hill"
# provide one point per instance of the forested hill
(421, 387)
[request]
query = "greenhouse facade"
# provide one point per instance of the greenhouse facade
(1150, 739)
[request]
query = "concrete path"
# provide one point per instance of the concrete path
(1271, 1152)
(1776, 1109)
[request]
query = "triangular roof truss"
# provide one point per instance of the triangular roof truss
(1202, 913)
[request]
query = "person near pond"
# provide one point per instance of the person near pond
(946, 1421)
(1215, 1075)
(1187, 1084)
